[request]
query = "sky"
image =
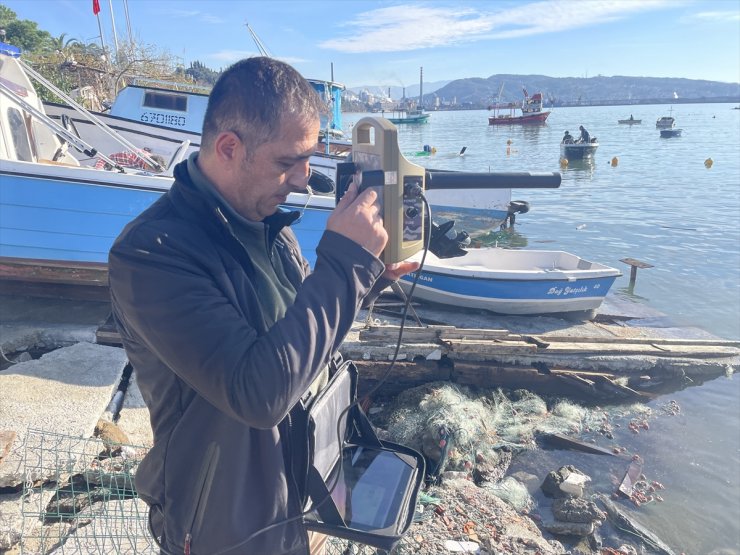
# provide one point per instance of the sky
(384, 43)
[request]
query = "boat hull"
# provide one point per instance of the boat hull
(630, 121)
(414, 119)
(668, 133)
(540, 117)
(514, 282)
(73, 215)
(578, 151)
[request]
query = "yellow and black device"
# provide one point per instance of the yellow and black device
(377, 162)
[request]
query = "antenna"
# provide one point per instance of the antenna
(260, 45)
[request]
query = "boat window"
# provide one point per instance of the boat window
(19, 133)
(166, 101)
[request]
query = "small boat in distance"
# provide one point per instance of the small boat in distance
(510, 281)
(408, 116)
(630, 121)
(666, 122)
(409, 111)
(531, 108)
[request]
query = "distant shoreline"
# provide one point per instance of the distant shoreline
(583, 103)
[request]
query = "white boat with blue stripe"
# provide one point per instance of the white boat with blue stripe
(508, 281)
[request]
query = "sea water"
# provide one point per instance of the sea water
(655, 200)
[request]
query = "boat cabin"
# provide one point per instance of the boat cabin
(182, 106)
(162, 103)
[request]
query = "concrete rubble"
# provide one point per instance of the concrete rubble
(65, 390)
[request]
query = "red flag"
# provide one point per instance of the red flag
(96, 7)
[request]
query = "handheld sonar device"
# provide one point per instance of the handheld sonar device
(377, 162)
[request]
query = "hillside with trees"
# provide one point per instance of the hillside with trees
(572, 91)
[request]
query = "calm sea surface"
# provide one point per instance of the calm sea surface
(661, 205)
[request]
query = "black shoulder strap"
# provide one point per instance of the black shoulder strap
(322, 500)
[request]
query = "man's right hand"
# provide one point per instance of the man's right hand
(357, 217)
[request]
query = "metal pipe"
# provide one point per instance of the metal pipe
(496, 180)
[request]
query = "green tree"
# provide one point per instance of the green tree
(201, 74)
(22, 32)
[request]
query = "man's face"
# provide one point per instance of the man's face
(273, 170)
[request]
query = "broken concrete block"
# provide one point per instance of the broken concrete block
(62, 393)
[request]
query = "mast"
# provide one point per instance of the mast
(421, 88)
(113, 25)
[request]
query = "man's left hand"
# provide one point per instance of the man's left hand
(398, 269)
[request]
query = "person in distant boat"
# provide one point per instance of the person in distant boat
(226, 330)
(632, 117)
(128, 159)
(568, 138)
(585, 137)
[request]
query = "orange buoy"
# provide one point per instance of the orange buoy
(563, 163)
(615, 162)
(708, 163)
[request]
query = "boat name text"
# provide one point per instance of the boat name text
(557, 291)
(163, 119)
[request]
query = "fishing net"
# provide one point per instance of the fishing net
(457, 427)
(513, 492)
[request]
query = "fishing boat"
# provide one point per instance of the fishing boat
(531, 111)
(408, 112)
(510, 281)
(630, 121)
(666, 122)
(161, 115)
(59, 218)
(401, 116)
(579, 151)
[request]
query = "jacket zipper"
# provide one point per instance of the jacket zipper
(205, 479)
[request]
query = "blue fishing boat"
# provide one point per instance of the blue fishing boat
(510, 281)
(59, 218)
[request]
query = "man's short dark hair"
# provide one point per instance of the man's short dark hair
(253, 97)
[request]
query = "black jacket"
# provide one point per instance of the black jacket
(217, 381)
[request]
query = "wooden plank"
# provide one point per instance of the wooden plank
(625, 349)
(6, 441)
(464, 347)
(636, 263)
(637, 340)
(565, 442)
(404, 375)
(54, 271)
(430, 334)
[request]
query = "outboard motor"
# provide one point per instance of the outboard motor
(445, 246)
(515, 207)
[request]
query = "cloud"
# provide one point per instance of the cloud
(718, 16)
(230, 56)
(183, 14)
(416, 26)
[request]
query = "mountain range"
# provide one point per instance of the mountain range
(478, 91)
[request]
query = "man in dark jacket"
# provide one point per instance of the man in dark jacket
(223, 324)
(585, 137)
